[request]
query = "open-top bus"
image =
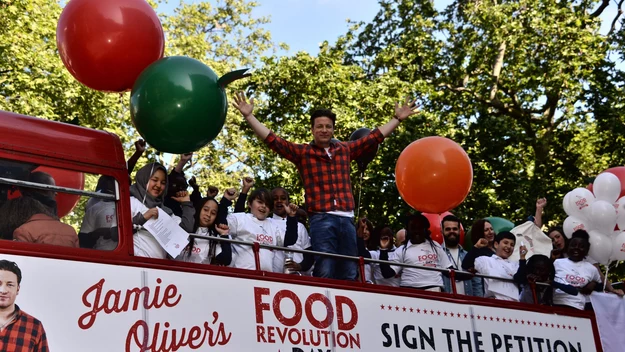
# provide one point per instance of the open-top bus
(96, 300)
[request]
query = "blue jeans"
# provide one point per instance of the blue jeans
(334, 234)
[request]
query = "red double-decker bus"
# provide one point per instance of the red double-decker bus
(111, 300)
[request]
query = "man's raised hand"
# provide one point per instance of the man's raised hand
(240, 102)
(408, 109)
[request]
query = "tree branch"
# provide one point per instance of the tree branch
(601, 8)
(618, 14)
(497, 69)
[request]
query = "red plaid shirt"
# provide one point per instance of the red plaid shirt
(326, 180)
(23, 334)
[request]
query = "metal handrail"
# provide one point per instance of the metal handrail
(20, 183)
(347, 257)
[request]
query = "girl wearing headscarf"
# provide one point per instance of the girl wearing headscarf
(147, 194)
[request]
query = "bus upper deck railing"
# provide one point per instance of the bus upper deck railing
(362, 261)
(40, 186)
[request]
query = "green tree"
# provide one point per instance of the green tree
(512, 74)
(34, 81)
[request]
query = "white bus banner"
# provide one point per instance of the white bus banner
(108, 308)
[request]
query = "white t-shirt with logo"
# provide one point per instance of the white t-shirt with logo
(245, 227)
(303, 242)
(456, 262)
(423, 254)
(145, 245)
(498, 267)
(201, 249)
(376, 272)
(100, 215)
(577, 274)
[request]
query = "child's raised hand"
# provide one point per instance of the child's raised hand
(182, 196)
(291, 210)
(212, 192)
(193, 183)
(230, 194)
(140, 146)
(222, 229)
(151, 213)
(522, 252)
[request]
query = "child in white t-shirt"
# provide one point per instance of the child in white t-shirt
(575, 271)
(383, 236)
(209, 222)
(99, 225)
(417, 249)
(255, 226)
(498, 265)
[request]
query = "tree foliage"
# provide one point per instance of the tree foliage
(531, 90)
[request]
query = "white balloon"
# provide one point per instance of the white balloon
(603, 216)
(572, 224)
(607, 187)
(600, 247)
(565, 204)
(618, 247)
(579, 202)
(620, 213)
(619, 205)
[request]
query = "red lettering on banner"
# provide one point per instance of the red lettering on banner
(346, 316)
(173, 340)
(112, 302)
(260, 334)
(318, 297)
(306, 337)
(340, 302)
(297, 316)
(259, 292)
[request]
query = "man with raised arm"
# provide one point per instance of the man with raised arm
(324, 166)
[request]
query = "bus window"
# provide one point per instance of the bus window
(47, 205)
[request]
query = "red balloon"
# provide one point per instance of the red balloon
(436, 231)
(619, 171)
(433, 174)
(65, 202)
(106, 44)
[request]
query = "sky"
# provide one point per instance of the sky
(304, 24)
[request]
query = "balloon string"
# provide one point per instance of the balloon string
(359, 196)
(605, 281)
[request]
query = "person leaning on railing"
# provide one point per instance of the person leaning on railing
(499, 265)
(451, 236)
(540, 273)
(577, 272)
(418, 249)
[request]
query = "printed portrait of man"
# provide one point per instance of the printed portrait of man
(19, 332)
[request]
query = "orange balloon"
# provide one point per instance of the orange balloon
(433, 174)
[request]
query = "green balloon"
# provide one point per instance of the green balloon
(178, 104)
(500, 224)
